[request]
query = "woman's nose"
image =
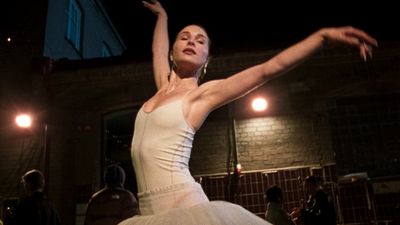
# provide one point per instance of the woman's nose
(191, 42)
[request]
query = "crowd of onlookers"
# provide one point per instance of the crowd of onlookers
(114, 203)
(108, 206)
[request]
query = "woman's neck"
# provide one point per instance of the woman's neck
(177, 82)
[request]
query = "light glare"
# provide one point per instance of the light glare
(259, 104)
(23, 120)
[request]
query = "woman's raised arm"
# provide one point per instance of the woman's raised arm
(220, 93)
(160, 46)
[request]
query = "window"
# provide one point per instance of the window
(74, 24)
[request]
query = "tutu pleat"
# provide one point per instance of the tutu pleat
(208, 213)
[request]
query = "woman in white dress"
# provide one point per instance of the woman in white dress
(166, 123)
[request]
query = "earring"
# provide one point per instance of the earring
(172, 64)
(204, 69)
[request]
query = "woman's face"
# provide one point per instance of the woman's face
(191, 48)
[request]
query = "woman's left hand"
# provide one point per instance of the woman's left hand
(351, 36)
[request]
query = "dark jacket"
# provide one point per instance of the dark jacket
(36, 209)
(319, 210)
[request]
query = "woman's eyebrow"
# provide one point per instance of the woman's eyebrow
(201, 35)
(184, 33)
(197, 35)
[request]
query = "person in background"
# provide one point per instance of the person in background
(275, 213)
(319, 207)
(167, 122)
(35, 208)
(113, 203)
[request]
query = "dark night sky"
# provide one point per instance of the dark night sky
(252, 24)
(255, 24)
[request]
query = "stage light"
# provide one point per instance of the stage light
(23, 120)
(259, 104)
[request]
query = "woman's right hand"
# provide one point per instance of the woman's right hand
(154, 6)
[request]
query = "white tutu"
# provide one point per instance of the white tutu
(208, 213)
(186, 204)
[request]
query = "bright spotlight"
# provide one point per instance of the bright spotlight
(259, 104)
(23, 120)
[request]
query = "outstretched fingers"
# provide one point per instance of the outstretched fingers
(361, 36)
(362, 40)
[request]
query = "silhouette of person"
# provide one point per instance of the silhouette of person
(35, 208)
(113, 203)
(167, 122)
(319, 207)
(275, 213)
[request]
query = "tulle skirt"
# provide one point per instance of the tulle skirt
(208, 213)
(186, 204)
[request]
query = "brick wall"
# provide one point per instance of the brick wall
(294, 132)
(365, 134)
